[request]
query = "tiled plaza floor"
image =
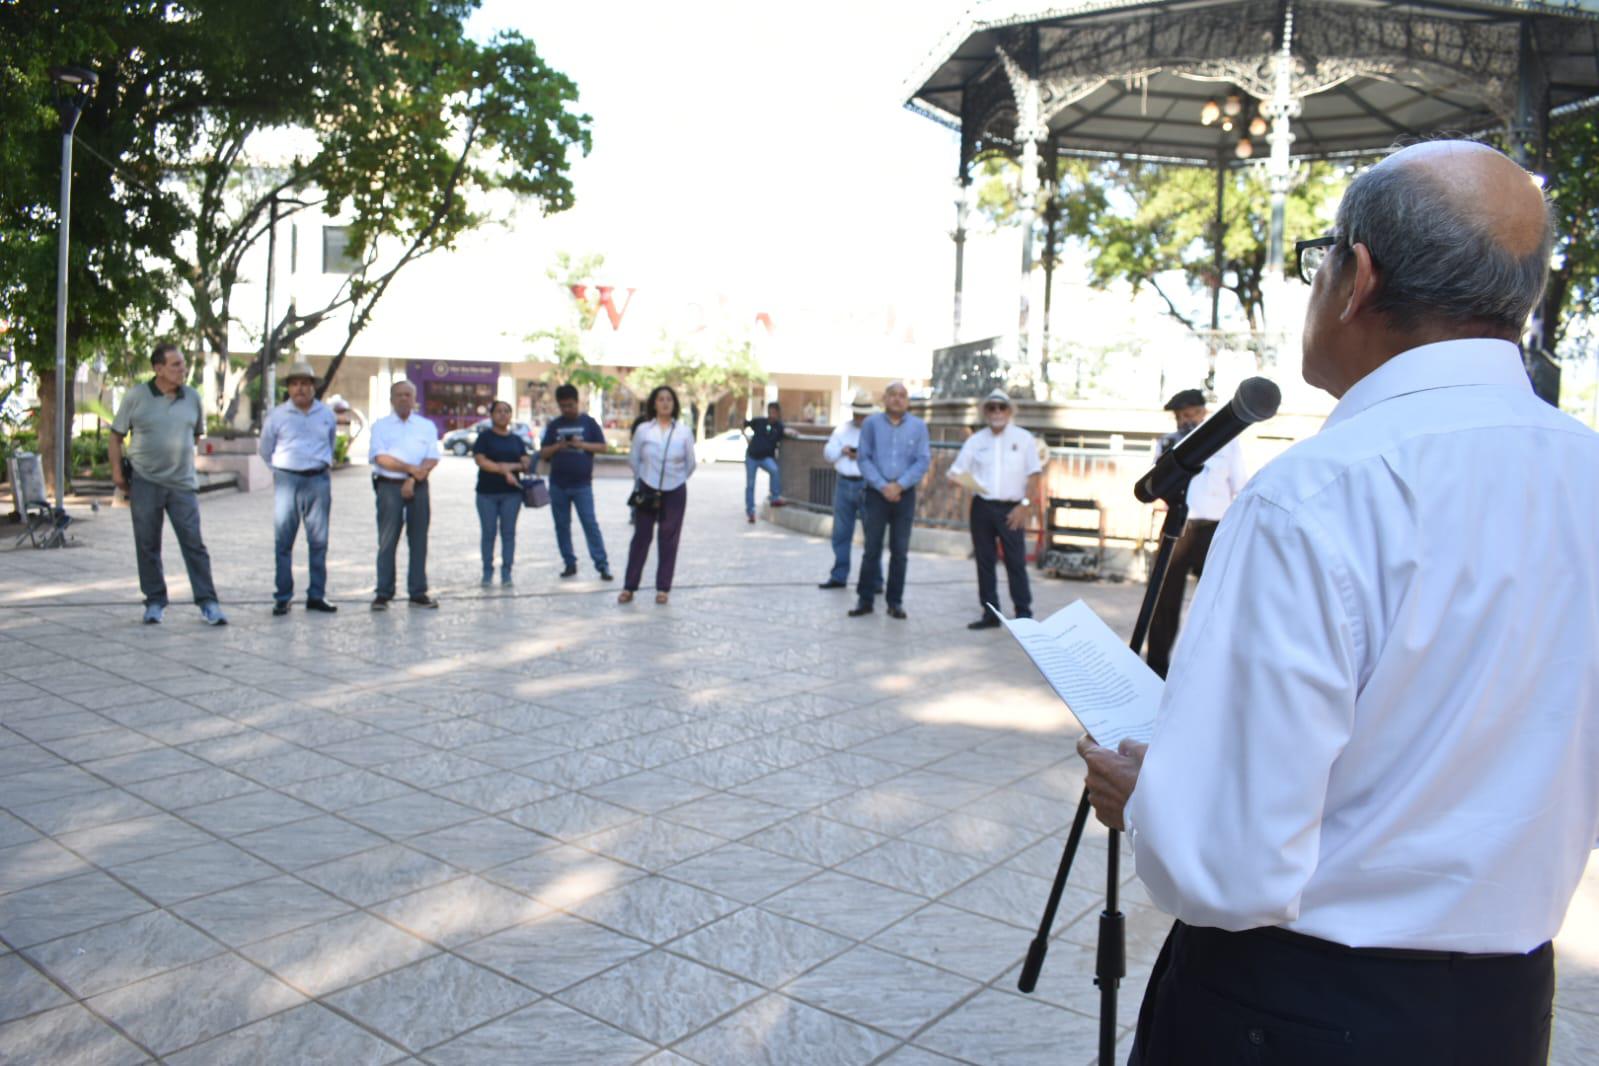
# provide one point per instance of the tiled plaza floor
(542, 828)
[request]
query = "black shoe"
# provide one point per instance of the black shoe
(320, 605)
(897, 612)
(570, 571)
(381, 603)
(833, 585)
(424, 600)
(860, 609)
(988, 621)
(280, 608)
(605, 575)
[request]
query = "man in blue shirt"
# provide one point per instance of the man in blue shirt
(894, 454)
(297, 443)
(765, 435)
(569, 446)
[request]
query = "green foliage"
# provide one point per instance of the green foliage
(341, 450)
(1140, 222)
(91, 453)
(702, 374)
(1573, 190)
(406, 124)
(563, 345)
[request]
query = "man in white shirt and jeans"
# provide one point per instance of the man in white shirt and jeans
(404, 448)
(1002, 461)
(1209, 494)
(1374, 783)
(843, 451)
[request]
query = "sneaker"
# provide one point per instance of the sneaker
(488, 579)
(380, 603)
(831, 584)
(570, 571)
(605, 575)
(424, 600)
(988, 621)
(779, 502)
(280, 608)
(153, 612)
(320, 605)
(211, 611)
(752, 519)
(505, 579)
(860, 609)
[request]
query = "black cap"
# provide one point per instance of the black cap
(1186, 398)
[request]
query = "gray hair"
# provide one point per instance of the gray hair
(1437, 263)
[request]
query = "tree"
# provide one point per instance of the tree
(407, 124)
(703, 374)
(562, 346)
(1146, 223)
(1573, 190)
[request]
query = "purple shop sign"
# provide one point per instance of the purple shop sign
(448, 370)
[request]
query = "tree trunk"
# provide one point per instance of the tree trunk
(46, 428)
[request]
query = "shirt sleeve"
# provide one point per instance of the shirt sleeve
(921, 459)
(1259, 703)
(1032, 464)
(866, 452)
(333, 432)
(635, 447)
(379, 444)
(124, 417)
(592, 431)
(963, 458)
(833, 450)
(480, 445)
(689, 460)
(269, 437)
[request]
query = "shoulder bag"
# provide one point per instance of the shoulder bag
(645, 498)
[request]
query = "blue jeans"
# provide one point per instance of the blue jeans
(894, 520)
(774, 480)
(151, 505)
(301, 499)
(498, 511)
(562, 500)
(846, 508)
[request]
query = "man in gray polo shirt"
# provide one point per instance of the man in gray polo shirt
(165, 418)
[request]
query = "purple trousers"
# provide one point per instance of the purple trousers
(669, 520)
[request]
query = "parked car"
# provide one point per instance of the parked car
(460, 441)
(723, 448)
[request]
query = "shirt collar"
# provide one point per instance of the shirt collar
(1443, 365)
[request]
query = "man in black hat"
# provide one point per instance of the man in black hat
(1209, 494)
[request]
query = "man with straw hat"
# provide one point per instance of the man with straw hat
(297, 442)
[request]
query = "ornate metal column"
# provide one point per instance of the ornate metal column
(1031, 129)
(963, 188)
(1281, 108)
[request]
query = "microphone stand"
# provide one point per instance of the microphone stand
(1110, 963)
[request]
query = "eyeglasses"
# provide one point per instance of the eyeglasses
(995, 407)
(1310, 255)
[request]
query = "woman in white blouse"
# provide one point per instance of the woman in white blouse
(662, 458)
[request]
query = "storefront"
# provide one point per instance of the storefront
(454, 395)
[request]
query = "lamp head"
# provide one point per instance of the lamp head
(80, 78)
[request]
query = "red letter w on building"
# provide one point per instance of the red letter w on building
(592, 306)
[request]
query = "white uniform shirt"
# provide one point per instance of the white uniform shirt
(412, 440)
(649, 440)
(1381, 727)
(846, 436)
(1001, 462)
(1217, 484)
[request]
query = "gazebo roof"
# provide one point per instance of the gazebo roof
(1129, 78)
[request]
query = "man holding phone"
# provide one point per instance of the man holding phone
(842, 451)
(569, 445)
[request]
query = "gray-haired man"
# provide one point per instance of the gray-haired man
(165, 418)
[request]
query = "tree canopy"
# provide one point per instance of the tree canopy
(398, 121)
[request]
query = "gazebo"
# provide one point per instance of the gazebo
(1227, 83)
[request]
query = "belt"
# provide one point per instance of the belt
(846, 477)
(303, 473)
(1001, 503)
(1327, 947)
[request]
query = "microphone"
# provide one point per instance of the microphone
(1255, 401)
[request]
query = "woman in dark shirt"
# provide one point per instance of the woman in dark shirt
(502, 457)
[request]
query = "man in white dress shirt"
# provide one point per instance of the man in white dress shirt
(1374, 783)
(404, 448)
(1209, 494)
(842, 450)
(1002, 463)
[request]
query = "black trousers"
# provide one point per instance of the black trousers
(1187, 557)
(988, 526)
(1268, 997)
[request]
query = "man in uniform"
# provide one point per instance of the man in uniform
(1001, 464)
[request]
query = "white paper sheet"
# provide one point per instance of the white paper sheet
(1108, 688)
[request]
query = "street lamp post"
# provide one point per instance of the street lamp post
(73, 86)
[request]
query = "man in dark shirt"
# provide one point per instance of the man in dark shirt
(765, 434)
(569, 445)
